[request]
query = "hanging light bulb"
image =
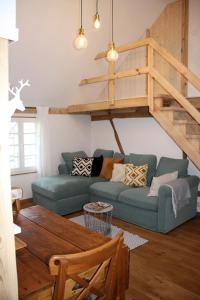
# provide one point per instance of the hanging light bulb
(96, 22)
(80, 41)
(112, 54)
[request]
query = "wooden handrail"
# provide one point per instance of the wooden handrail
(127, 47)
(121, 74)
(183, 70)
(152, 74)
(176, 94)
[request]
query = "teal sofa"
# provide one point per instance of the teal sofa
(65, 194)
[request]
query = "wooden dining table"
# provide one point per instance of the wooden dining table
(45, 234)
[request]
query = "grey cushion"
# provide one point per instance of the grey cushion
(105, 153)
(109, 190)
(59, 187)
(63, 170)
(68, 158)
(169, 165)
(141, 159)
(118, 155)
(138, 197)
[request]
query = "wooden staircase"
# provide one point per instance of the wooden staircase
(180, 119)
(181, 127)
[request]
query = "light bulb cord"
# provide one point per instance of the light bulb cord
(112, 21)
(97, 7)
(81, 15)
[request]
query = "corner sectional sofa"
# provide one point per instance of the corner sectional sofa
(65, 194)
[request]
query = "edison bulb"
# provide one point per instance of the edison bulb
(112, 54)
(80, 41)
(96, 23)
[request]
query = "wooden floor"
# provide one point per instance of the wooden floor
(168, 266)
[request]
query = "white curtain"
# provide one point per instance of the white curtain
(43, 142)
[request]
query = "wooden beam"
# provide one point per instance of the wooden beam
(146, 59)
(125, 48)
(118, 75)
(184, 155)
(121, 115)
(28, 110)
(98, 106)
(150, 79)
(8, 273)
(58, 110)
(176, 94)
(117, 137)
(184, 42)
(176, 64)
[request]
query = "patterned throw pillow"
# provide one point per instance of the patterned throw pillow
(136, 176)
(82, 166)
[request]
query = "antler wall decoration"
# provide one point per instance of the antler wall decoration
(16, 102)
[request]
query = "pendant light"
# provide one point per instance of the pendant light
(97, 23)
(80, 41)
(112, 54)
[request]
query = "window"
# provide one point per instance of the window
(22, 145)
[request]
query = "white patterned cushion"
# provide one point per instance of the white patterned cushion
(160, 180)
(118, 173)
(82, 166)
(136, 176)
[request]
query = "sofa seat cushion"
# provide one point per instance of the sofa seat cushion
(138, 197)
(59, 187)
(109, 190)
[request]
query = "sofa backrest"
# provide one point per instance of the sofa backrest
(105, 153)
(125, 157)
(169, 165)
(142, 159)
(69, 156)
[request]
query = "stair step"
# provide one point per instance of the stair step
(184, 122)
(193, 136)
(172, 108)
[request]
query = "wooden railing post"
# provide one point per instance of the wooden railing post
(111, 83)
(150, 79)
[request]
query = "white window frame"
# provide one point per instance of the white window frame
(22, 169)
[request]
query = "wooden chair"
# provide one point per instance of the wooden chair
(96, 272)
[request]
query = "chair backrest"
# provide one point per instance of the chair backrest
(93, 272)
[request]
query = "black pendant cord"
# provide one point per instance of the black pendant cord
(81, 15)
(112, 22)
(97, 7)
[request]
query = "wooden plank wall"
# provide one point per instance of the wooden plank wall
(170, 30)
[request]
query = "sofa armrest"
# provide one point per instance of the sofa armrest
(63, 170)
(166, 218)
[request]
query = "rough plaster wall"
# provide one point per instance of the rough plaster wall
(45, 56)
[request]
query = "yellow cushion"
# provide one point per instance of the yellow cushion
(136, 176)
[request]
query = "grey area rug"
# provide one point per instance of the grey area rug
(131, 240)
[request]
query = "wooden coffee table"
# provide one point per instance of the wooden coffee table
(46, 234)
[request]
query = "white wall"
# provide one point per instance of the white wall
(145, 135)
(8, 28)
(45, 56)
